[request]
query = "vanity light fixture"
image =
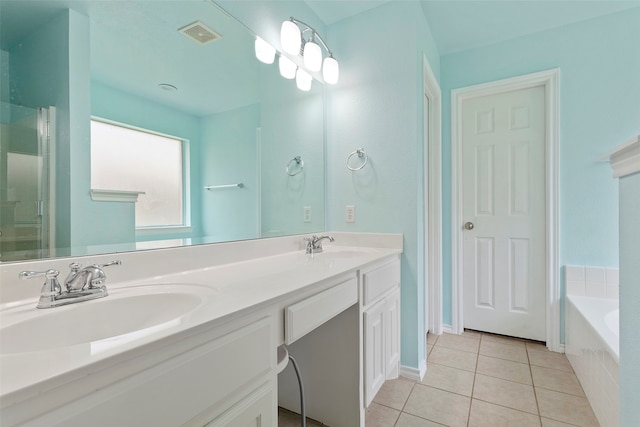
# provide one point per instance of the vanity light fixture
(330, 70)
(303, 80)
(290, 37)
(287, 67)
(312, 55)
(293, 43)
(264, 51)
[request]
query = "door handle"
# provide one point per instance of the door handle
(468, 225)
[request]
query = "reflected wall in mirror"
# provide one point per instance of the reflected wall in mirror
(65, 62)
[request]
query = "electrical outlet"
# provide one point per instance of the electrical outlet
(307, 214)
(351, 213)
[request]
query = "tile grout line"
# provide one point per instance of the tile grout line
(475, 375)
(528, 349)
(533, 385)
(408, 396)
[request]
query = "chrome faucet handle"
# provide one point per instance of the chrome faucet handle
(314, 243)
(73, 272)
(97, 276)
(75, 267)
(109, 264)
(50, 289)
(89, 277)
(311, 243)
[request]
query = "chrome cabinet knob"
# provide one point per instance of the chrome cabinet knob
(468, 225)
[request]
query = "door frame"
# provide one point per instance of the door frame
(47, 139)
(550, 80)
(432, 141)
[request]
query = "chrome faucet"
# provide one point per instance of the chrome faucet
(82, 284)
(314, 243)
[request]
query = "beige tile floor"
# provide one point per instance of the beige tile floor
(477, 379)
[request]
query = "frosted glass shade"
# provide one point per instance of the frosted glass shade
(312, 55)
(290, 37)
(264, 51)
(303, 80)
(287, 67)
(330, 70)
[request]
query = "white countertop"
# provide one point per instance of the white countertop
(223, 289)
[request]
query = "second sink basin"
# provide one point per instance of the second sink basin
(112, 320)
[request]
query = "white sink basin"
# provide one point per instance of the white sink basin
(122, 317)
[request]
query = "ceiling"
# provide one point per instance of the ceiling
(135, 45)
(459, 25)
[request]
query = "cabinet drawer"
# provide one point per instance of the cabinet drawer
(377, 282)
(306, 315)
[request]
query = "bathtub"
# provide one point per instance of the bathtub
(592, 345)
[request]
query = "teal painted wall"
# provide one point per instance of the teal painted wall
(89, 221)
(50, 68)
(283, 134)
(39, 70)
(377, 105)
(229, 155)
(5, 75)
(629, 299)
(599, 61)
(292, 124)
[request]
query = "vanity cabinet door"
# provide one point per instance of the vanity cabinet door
(374, 350)
(191, 389)
(256, 410)
(392, 335)
(381, 323)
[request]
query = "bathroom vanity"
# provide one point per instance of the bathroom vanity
(189, 336)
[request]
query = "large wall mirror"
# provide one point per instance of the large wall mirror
(245, 147)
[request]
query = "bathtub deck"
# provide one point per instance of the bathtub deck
(480, 379)
(592, 349)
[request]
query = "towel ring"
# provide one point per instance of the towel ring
(360, 152)
(300, 164)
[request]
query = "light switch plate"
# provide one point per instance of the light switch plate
(307, 214)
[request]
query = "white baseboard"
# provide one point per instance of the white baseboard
(447, 329)
(414, 374)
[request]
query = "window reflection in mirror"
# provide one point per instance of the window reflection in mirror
(118, 153)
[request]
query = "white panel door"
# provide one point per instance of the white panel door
(503, 168)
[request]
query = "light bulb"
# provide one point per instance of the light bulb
(287, 67)
(303, 80)
(312, 56)
(330, 70)
(290, 37)
(264, 51)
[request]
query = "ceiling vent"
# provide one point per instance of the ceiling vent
(200, 33)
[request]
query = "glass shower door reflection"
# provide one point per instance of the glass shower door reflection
(23, 187)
